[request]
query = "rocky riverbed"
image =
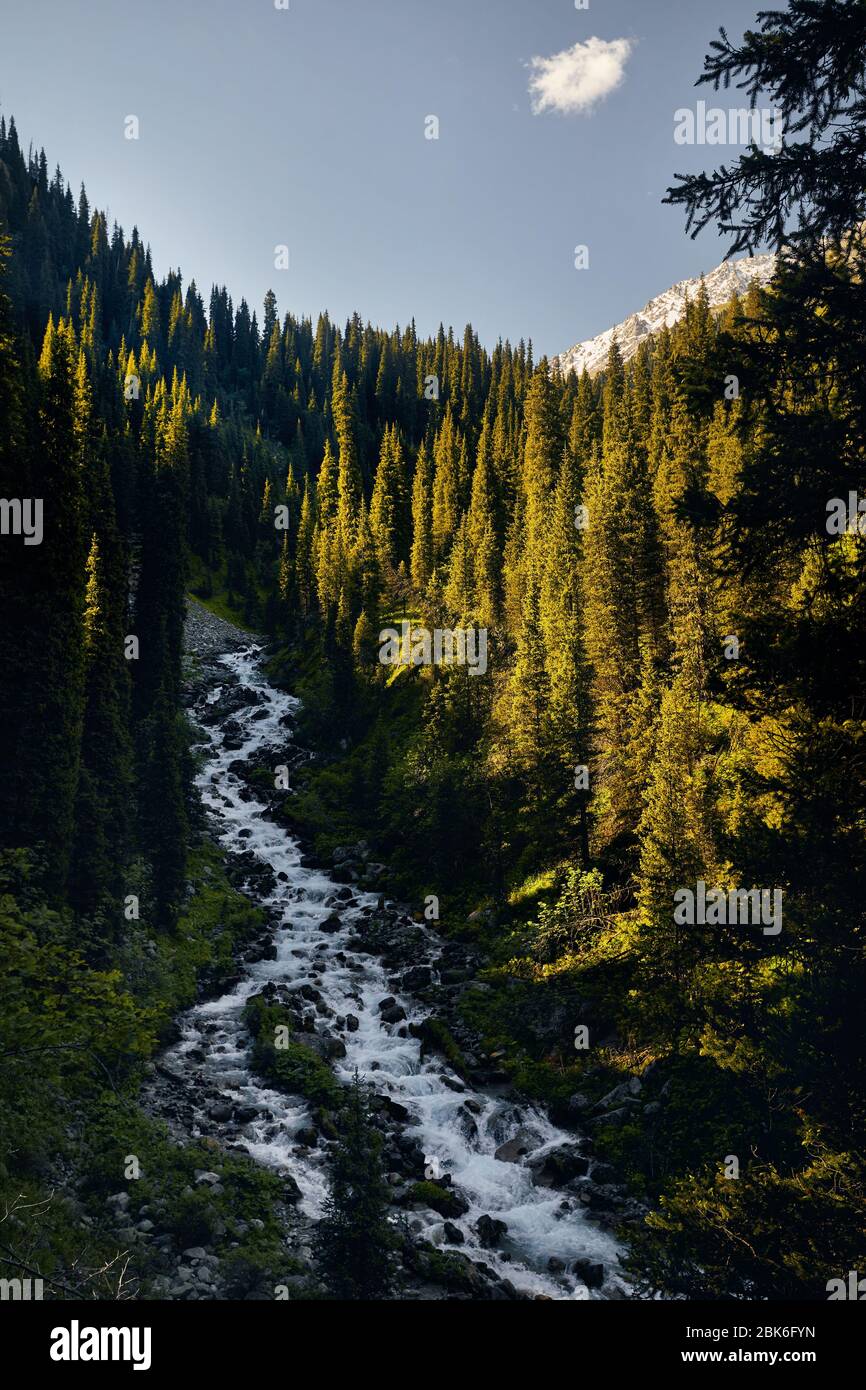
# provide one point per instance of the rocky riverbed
(491, 1198)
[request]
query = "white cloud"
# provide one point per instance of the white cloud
(575, 80)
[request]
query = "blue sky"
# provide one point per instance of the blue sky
(306, 127)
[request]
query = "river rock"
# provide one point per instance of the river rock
(578, 1104)
(591, 1273)
(490, 1231)
(394, 1109)
(624, 1093)
(513, 1150)
(559, 1166)
(291, 1192)
(440, 1199)
(393, 1014)
(454, 1085)
(417, 977)
(326, 1046)
(603, 1172)
(613, 1119)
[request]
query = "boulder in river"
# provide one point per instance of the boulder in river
(440, 1199)
(590, 1272)
(513, 1150)
(417, 977)
(291, 1192)
(559, 1166)
(393, 1014)
(394, 1109)
(326, 1046)
(221, 1111)
(490, 1231)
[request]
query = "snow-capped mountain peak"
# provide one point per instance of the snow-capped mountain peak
(665, 310)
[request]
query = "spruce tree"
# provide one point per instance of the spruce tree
(349, 483)
(52, 747)
(354, 1241)
(482, 544)
(422, 521)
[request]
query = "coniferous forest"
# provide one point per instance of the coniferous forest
(667, 722)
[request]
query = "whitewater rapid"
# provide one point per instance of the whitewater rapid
(215, 1045)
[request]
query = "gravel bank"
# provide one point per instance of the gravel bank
(208, 636)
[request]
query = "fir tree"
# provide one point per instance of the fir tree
(422, 521)
(354, 1241)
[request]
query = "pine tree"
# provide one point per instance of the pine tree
(353, 1240)
(672, 856)
(542, 457)
(304, 556)
(388, 519)
(482, 544)
(349, 483)
(623, 611)
(105, 787)
(422, 521)
(448, 500)
(364, 569)
(460, 584)
(525, 708)
(811, 188)
(160, 600)
(162, 802)
(564, 652)
(21, 578)
(52, 747)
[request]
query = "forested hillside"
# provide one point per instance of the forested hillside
(673, 696)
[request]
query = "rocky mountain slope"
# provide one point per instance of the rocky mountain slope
(665, 310)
